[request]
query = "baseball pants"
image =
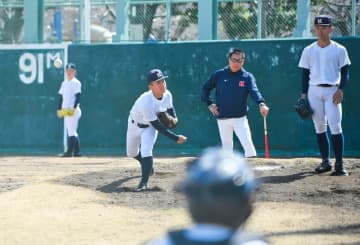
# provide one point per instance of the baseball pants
(241, 128)
(71, 123)
(142, 139)
(325, 110)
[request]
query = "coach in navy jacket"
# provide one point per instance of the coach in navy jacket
(233, 85)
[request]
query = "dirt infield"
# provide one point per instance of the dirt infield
(90, 200)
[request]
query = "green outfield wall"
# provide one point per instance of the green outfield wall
(113, 76)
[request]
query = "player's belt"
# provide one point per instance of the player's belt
(140, 125)
(325, 85)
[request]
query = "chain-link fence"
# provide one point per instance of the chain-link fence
(236, 19)
(163, 21)
(343, 12)
(174, 20)
(63, 22)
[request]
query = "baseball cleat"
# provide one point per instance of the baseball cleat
(323, 167)
(65, 154)
(141, 187)
(339, 173)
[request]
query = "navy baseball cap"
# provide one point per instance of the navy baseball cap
(70, 66)
(155, 75)
(219, 173)
(323, 20)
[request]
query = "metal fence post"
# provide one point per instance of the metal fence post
(302, 19)
(259, 22)
(33, 21)
(215, 19)
(122, 21)
(57, 24)
(168, 20)
(353, 18)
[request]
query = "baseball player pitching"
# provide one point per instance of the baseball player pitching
(144, 124)
(69, 109)
(325, 66)
(233, 85)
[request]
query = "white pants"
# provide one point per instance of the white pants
(325, 110)
(142, 139)
(241, 128)
(71, 123)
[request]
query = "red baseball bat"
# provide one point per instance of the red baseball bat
(267, 155)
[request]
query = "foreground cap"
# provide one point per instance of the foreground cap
(155, 75)
(70, 66)
(219, 173)
(323, 20)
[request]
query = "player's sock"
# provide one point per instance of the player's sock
(338, 146)
(70, 147)
(324, 146)
(146, 166)
(77, 146)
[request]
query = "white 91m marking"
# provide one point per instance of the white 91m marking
(32, 66)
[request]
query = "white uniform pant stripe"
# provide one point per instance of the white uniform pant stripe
(325, 110)
(242, 130)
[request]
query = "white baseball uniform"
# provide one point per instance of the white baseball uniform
(324, 65)
(68, 90)
(140, 133)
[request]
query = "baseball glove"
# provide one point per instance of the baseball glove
(303, 108)
(167, 120)
(66, 112)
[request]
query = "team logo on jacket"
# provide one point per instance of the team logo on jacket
(242, 84)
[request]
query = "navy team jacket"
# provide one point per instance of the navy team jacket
(232, 90)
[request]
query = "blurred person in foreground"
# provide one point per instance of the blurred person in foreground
(219, 188)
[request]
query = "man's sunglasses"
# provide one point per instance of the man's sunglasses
(236, 60)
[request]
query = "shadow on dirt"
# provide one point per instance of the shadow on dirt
(295, 182)
(280, 179)
(10, 184)
(120, 185)
(115, 187)
(343, 229)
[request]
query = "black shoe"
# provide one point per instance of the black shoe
(339, 173)
(77, 155)
(141, 187)
(323, 167)
(66, 154)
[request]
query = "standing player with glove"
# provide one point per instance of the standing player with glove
(69, 109)
(233, 85)
(151, 113)
(325, 66)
